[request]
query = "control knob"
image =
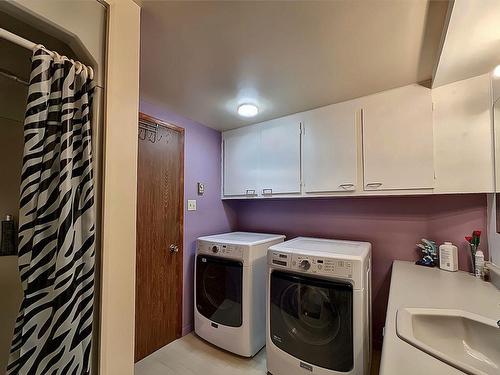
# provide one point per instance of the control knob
(304, 265)
(215, 249)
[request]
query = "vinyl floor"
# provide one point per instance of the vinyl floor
(191, 355)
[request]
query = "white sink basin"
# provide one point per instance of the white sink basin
(466, 341)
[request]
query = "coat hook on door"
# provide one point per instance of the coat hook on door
(149, 131)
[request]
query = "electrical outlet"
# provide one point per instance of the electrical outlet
(191, 205)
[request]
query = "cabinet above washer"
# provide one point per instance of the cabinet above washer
(397, 142)
(330, 138)
(263, 160)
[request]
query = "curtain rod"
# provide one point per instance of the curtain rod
(16, 39)
(20, 41)
(11, 37)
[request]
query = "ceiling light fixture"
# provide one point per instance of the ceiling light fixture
(248, 110)
(496, 72)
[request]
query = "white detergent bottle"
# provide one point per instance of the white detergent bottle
(448, 257)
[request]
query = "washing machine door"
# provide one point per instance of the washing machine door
(311, 319)
(219, 289)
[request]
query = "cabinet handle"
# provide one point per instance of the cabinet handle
(267, 191)
(250, 192)
(346, 186)
(374, 185)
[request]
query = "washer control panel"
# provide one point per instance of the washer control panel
(312, 264)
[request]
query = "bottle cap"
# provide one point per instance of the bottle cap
(8, 217)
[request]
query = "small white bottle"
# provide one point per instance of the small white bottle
(478, 272)
(448, 257)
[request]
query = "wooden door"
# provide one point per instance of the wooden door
(160, 188)
(330, 148)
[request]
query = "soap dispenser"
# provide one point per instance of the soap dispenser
(448, 257)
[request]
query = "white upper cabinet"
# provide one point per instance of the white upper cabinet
(262, 159)
(463, 136)
(330, 148)
(241, 162)
(398, 139)
(280, 156)
(409, 140)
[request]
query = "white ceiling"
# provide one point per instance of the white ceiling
(201, 59)
(472, 44)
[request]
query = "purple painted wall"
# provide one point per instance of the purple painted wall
(392, 224)
(202, 161)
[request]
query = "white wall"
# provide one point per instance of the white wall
(85, 20)
(11, 146)
(120, 190)
(12, 106)
(496, 86)
(79, 23)
(11, 300)
(493, 236)
(471, 44)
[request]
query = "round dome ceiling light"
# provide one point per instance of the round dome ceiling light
(248, 110)
(496, 72)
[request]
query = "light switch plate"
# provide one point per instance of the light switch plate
(191, 204)
(201, 188)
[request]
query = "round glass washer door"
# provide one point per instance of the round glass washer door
(310, 318)
(314, 320)
(220, 296)
(219, 289)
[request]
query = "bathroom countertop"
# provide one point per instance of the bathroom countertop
(423, 287)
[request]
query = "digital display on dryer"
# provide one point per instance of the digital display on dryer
(280, 262)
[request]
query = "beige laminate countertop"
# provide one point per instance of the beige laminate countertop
(417, 286)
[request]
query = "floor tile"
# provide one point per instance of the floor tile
(191, 355)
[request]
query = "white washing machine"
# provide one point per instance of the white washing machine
(230, 290)
(319, 307)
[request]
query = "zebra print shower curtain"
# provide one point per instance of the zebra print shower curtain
(56, 222)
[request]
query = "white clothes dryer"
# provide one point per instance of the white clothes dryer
(230, 290)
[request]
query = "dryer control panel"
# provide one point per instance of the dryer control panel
(221, 249)
(327, 266)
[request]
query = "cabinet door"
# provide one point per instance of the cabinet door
(397, 139)
(280, 156)
(329, 154)
(241, 150)
(463, 150)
